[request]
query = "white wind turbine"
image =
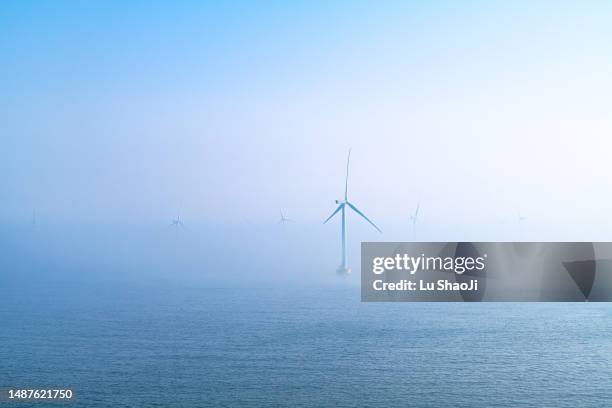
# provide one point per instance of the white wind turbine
(343, 269)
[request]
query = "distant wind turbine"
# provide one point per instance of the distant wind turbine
(343, 269)
(177, 222)
(415, 217)
(283, 220)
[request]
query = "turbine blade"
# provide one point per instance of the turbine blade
(363, 215)
(348, 160)
(334, 213)
(416, 213)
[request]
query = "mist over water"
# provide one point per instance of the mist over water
(119, 116)
(238, 256)
(245, 254)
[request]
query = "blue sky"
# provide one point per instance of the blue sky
(226, 112)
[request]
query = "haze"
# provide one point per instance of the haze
(119, 118)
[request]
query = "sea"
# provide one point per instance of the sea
(145, 345)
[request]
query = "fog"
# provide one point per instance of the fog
(118, 119)
(245, 255)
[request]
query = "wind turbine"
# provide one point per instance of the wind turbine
(342, 206)
(283, 220)
(177, 222)
(415, 217)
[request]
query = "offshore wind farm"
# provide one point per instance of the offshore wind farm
(168, 230)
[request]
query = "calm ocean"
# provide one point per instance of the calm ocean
(187, 347)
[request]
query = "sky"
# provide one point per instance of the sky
(116, 112)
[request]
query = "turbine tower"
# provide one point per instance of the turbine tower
(342, 206)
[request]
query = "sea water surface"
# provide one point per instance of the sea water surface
(145, 346)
